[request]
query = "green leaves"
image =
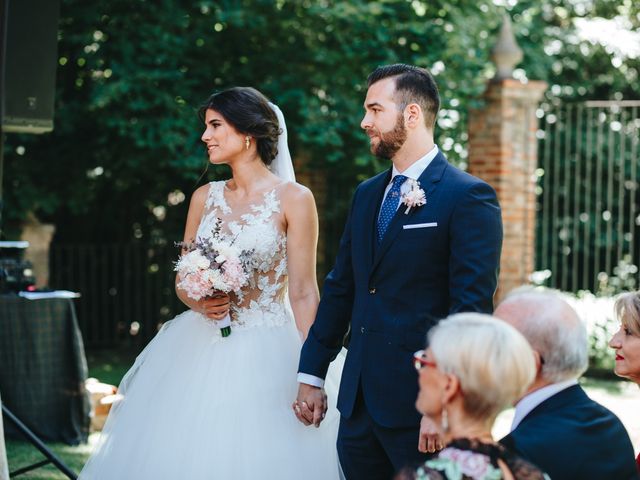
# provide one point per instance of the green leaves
(132, 74)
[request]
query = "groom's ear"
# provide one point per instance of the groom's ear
(412, 115)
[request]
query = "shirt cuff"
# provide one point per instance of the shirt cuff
(310, 380)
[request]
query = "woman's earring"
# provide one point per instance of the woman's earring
(247, 141)
(444, 420)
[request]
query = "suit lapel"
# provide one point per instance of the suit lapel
(371, 213)
(428, 181)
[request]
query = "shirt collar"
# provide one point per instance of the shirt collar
(416, 168)
(535, 398)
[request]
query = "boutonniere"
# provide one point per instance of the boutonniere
(415, 197)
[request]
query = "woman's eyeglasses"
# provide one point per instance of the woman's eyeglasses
(420, 361)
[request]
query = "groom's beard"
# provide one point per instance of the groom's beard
(390, 142)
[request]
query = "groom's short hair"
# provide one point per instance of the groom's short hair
(413, 85)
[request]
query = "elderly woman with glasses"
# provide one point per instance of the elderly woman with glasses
(626, 341)
(474, 367)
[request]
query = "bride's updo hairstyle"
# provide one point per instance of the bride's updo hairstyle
(249, 112)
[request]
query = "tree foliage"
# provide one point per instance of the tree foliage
(126, 152)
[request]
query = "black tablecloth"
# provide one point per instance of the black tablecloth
(43, 368)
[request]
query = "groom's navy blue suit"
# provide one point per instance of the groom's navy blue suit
(438, 259)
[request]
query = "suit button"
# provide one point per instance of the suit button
(361, 329)
(372, 290)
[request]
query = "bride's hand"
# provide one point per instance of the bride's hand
(215, 307)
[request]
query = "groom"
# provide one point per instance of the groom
(401, 267)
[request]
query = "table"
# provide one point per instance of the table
(43, 368)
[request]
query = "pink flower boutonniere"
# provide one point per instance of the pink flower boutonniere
(415, 197)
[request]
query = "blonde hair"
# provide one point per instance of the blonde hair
(627, 308)
(492, 360)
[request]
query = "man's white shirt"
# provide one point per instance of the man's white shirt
(414, 171)
(535, 398)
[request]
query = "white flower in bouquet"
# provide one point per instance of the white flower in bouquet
(216, 282)
(192, 262)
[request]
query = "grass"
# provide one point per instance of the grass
(108, 366)
(20, 454)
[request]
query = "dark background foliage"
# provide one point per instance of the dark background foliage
(125, 155)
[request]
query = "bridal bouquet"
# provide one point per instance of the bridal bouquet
(210, 265)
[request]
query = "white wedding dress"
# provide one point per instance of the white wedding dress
(198, 406)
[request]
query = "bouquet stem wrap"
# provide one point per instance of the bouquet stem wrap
(225, 325)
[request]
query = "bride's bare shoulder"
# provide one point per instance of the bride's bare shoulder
(293, 193)
(199, 196)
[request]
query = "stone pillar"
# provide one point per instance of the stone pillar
(39, 236)
(503, 151)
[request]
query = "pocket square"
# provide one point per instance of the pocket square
(420, 225)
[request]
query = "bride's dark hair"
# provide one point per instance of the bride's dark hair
(249, 112)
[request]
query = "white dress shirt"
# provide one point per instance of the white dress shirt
(535, 398)
(413, 171)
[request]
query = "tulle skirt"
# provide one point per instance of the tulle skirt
(197, 406)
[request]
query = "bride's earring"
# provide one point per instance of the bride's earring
(444, 419)
(247, 142)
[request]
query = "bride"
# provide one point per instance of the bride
(197, 405)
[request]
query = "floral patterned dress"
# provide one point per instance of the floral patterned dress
(465, 459)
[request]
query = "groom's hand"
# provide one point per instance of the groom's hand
(310, 405)
(429, 441)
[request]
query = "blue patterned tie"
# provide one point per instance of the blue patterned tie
(389, 206)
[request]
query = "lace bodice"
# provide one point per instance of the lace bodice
(257, 227)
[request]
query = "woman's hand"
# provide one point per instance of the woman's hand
(215, 307)
(429, 440)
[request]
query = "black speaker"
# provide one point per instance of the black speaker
(29, 41)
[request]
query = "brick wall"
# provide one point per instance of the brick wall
(503, 151)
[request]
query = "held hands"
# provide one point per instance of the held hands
(429, 441)
(311, 405)
(215, 307)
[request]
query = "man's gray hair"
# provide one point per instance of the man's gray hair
(553, 329)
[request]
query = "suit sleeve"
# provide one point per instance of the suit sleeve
(334, 311)
(475, 245)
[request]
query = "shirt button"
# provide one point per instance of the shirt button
(361, 329)
(372, 290)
